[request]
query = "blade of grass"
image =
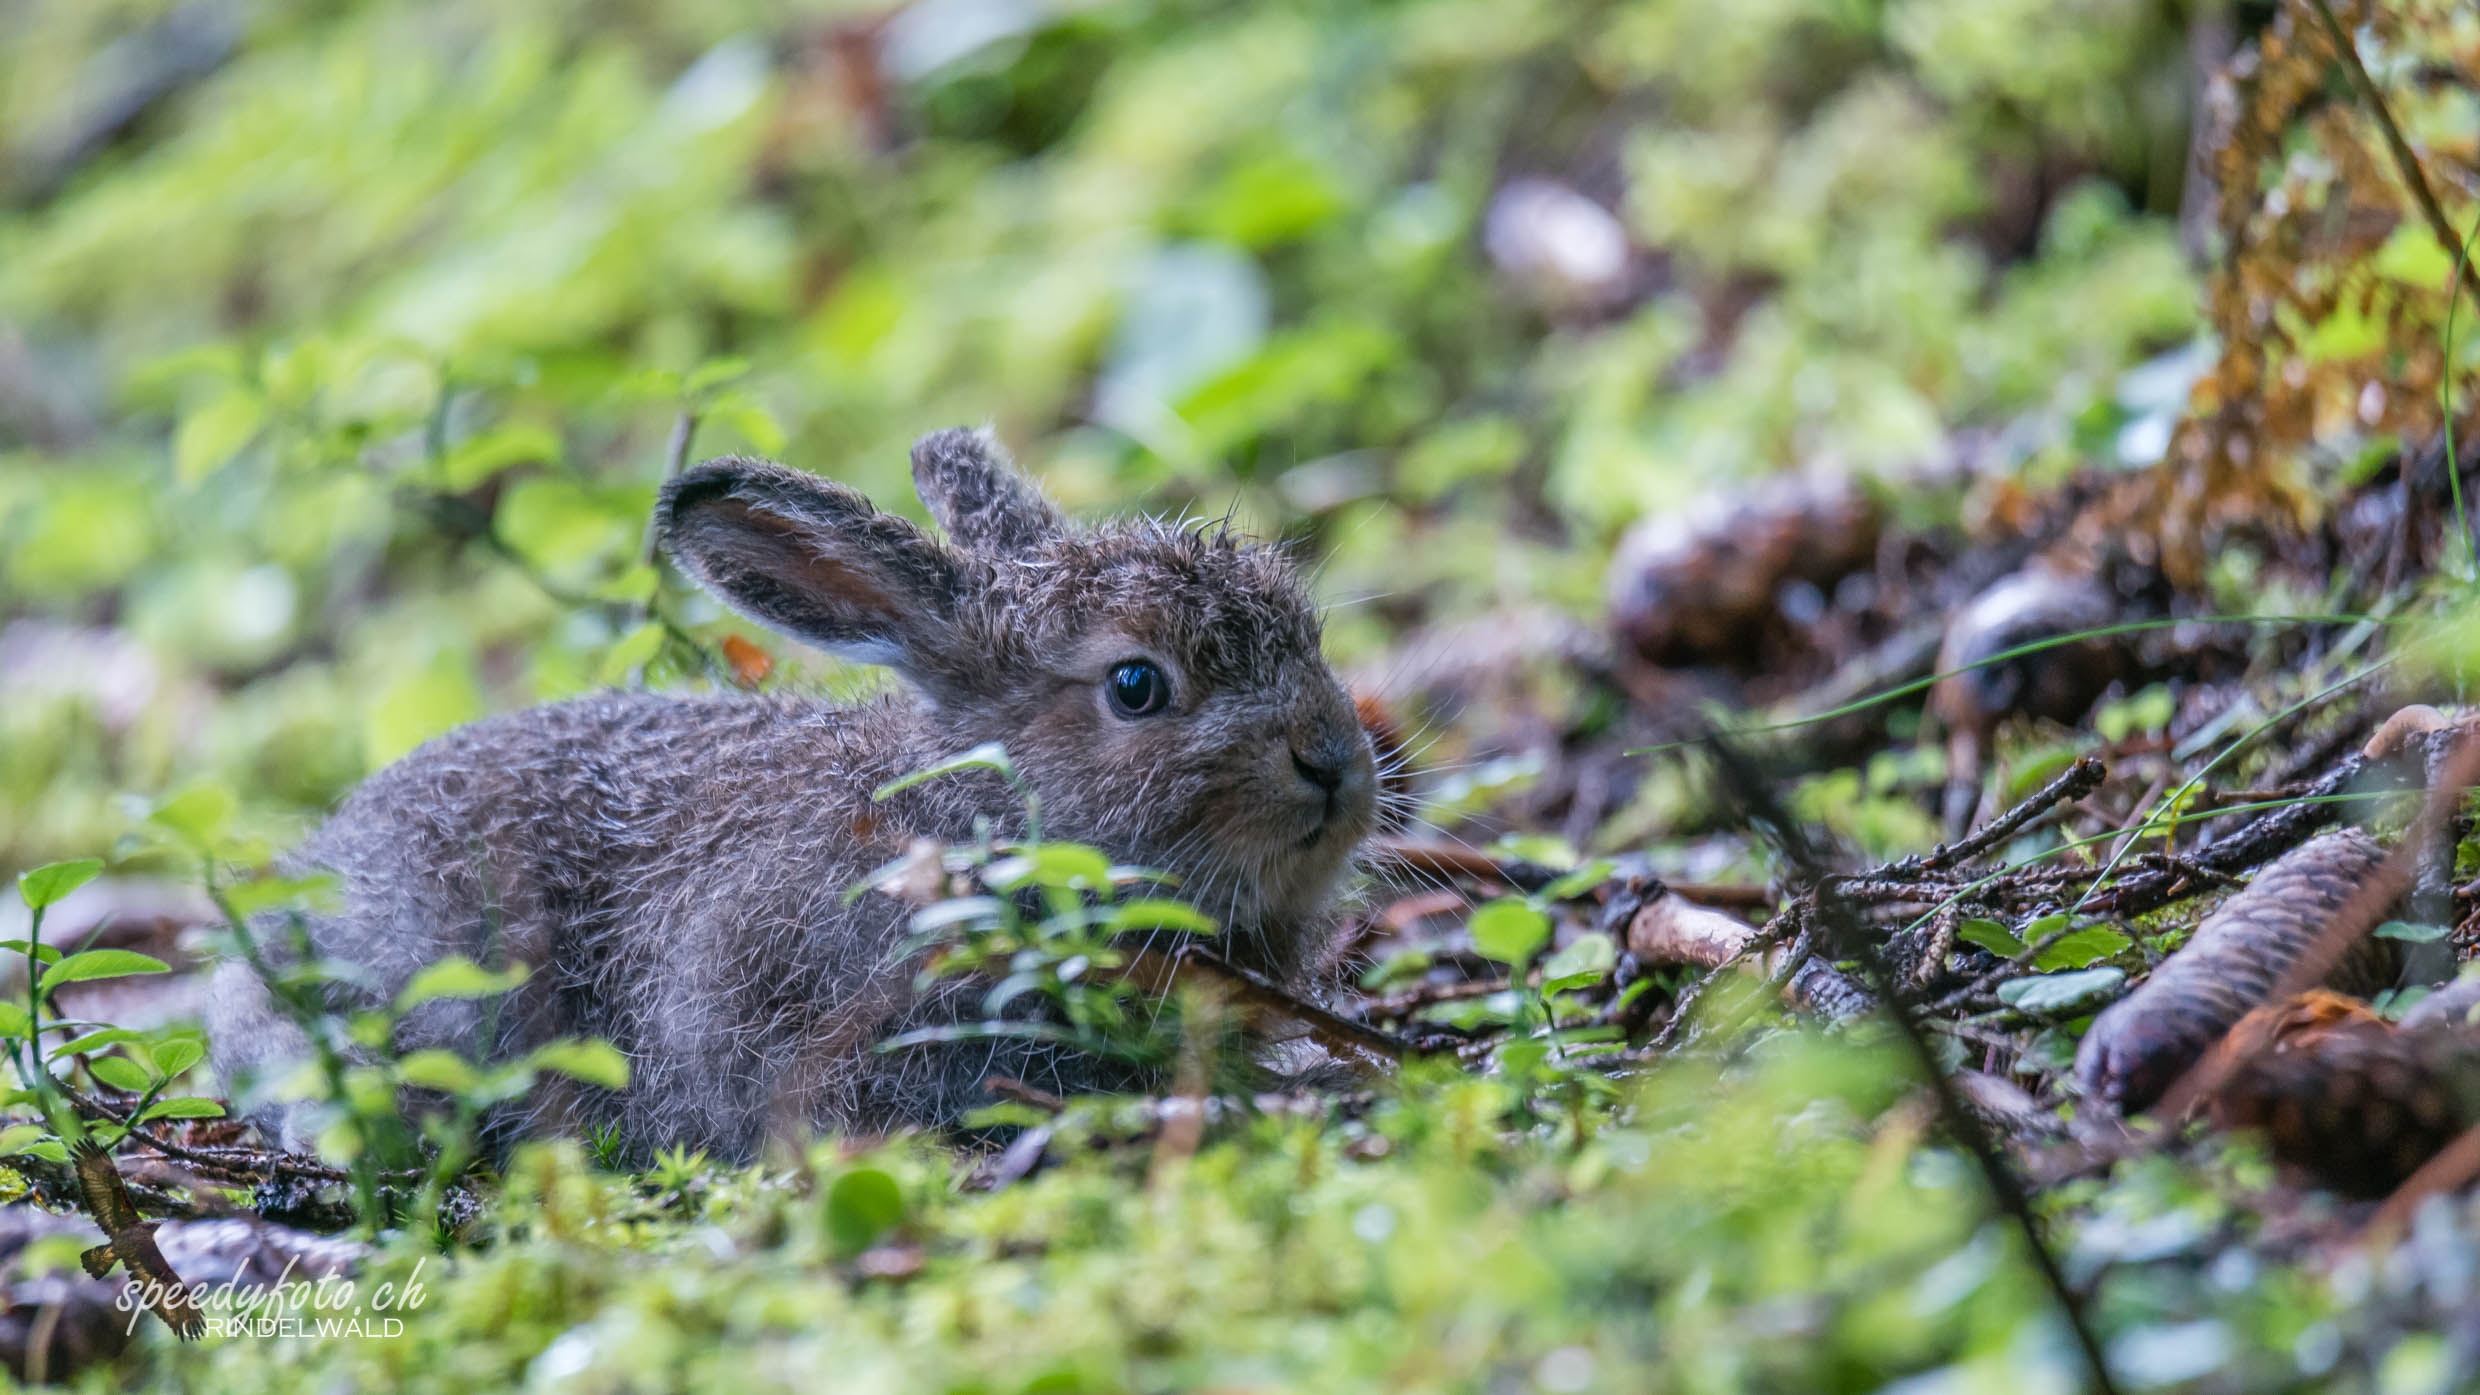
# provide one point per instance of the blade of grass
(1886, 695)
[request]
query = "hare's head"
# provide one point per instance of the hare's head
(1161, 687)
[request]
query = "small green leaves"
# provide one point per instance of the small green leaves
(434, 1069)
(1157, 913)
(1589, 958)
(2073, 950)
(178, 1054)
(100, 963)
(2056, 994)
(863, 1205)
(458, 977)
(199, 815)
(744, 413)
(121, 1073)
(591, 1060)
(1991, 936)
(79, 1046)
(479, 457)
(215, 433)
(990, 755)
(634, 651)
(182, 1107)
(46, 885)
(1071, 865)
(1509, 931)
(2412, 933)
(1577, 882)
(256, 894)
(2080, 949)
(712, 374)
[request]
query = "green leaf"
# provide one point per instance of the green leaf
(199, 814)
(1158, 913)
(1542, 849)
(311, 893)
(2413, 256)
(458, 977)
(78, 1046)
(1070, 865)
(713, 373)
(594, 1061)
(1509, 931)
(634, 651)
(990, 755)
(120, 1073)
(862, 1205)
(746, 415)
(15, 1138)
(183, 1107)
(1576, 883)
(1523, 1058)
(13, 1019)
(1588, 958)
(477, 458)
(47, 884)
(215, 433)
(2089, 945)
(2412, 933)
(434, 1069)
(2044, 927)
(49, 954)
(2054, 994)
(178, 1054)
(1991, 936)
(101, 963)
(564, 523)
(1403, 966)
(50, 1150)
(635, 585)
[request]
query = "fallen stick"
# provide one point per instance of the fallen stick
(1265, 1004)
(1445, 860)
(1671, 929)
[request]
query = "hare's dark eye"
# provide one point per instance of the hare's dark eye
(1138, 689)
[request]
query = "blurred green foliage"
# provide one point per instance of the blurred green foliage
(1750, 1229)
(334, 382)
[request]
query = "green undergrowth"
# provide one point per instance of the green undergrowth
(1775, 1224)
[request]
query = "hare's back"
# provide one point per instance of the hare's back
(538, 825)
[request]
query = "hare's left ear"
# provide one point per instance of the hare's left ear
(986, 507)
(815, 561)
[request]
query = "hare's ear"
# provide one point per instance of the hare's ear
(977, 496)
(814, 560)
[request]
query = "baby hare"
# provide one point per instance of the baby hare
(674, 869)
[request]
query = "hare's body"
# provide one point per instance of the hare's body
(641, 854)
(674, 870)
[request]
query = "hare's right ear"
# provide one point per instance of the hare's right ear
(966, 482)
(813, 560)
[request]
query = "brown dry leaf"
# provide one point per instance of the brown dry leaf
(750, 664)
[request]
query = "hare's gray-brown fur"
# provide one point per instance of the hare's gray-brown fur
(674, 869)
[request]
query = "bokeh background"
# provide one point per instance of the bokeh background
(342, 345)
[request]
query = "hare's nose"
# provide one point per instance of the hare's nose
(1323, 769)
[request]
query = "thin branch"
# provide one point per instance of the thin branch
(675, 459)
(1845, 937)
(2075, 782)
(1157, 972)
